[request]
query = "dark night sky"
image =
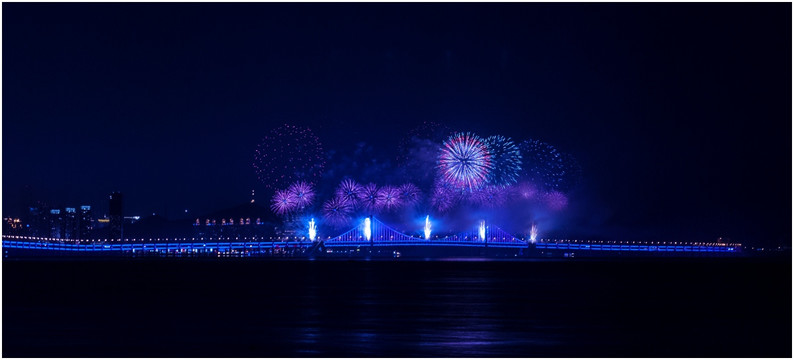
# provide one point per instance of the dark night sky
(679, 113)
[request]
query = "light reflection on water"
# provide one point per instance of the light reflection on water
(435, 314)
(391, 309)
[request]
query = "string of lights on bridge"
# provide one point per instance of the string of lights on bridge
(375, 232)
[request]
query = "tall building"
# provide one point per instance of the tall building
(37, 221)
(85, 223)
(116, 216)
(70, 223)
(56, 224)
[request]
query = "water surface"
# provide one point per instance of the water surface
(266, 308)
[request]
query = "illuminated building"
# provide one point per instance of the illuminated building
(247, 219)
(37, 222)
(12, 226)
(131, 219)
(116, 216)
(55, 224)
(85, 223)
(70, 223)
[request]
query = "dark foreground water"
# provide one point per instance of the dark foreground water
(231, 308)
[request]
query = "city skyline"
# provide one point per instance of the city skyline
(669, 147)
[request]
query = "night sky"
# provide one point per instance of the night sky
(680, 114)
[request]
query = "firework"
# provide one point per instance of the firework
(287, 154)
(464, 161)
(390, 196)
(427, 227)
(410, 194)
(372, 199)
(349, 190)
(571, 172)
(443, 197)
(543, 164)
(312, 230)
(337, 211)
(368, 228)
(489, 196)
(283, 202)
(303, 193)
(527, 190)
(533, 234)
(555, 200)
(505, 160)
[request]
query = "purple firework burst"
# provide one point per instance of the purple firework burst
(527, 190)
(337, 211)
(350, 191)
(490, 196)
(303, 193)
(464, 161)
(371, 197)
(555, 200)
(283, 202)
(444, 197)
(410, 193)
(390, 196)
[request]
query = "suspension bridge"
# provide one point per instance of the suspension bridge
(370, 232)
(373, 232)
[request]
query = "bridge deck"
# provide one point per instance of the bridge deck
(178, 246)
(370, 233)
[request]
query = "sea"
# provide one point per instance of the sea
(610, 307)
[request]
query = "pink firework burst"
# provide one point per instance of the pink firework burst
(555, 200)
(371, 197)
(283, 202)
(303, 193)
(337, 211)
(390, 196)
(464, 161)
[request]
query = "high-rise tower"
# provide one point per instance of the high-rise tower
(116, 215)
